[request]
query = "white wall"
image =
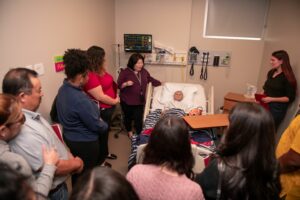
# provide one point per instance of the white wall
(34, 31)
(283, 30)
(179, 24)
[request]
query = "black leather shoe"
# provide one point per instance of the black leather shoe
(106, 164)
(111, 156)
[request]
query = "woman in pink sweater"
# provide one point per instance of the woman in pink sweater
(167, 166)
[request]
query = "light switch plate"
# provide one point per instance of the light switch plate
(39, 68)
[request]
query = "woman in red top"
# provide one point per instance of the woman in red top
(102, 88)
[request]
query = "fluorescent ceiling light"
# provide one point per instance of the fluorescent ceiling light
(233, 38)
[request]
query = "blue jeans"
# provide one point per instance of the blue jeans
(60, 194)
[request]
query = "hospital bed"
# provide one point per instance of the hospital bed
(155, 98)
(194, 94)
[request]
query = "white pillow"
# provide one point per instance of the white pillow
(188, 95)
(156, 97)
(169, 89)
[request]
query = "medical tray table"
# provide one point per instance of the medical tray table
(207, 121)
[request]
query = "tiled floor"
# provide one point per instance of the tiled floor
(121, 147)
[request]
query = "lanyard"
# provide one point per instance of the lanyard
(138, 76)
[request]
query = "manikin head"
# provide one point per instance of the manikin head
(178, 95)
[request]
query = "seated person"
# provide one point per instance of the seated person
(11, 121)
(150, 121)
(103, 183)
(288, 154)
(245, 166)
(177, 102)
(166, 171)
(13, 185)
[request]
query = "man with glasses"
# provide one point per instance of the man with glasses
(26, 87)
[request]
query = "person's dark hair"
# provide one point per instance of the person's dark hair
(105, 184)
(134, 58)
(247, 163)
(76, 62)
(96, 55)
(17, 80)
(13, 186)
(53, 112)
(286, 66)
(169, 145)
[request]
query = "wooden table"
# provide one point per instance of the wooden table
(231, 99)
(207, 121)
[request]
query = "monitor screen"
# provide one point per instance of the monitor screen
(139, 43)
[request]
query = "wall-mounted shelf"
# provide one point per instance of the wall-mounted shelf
(165, 63)
(179, 59)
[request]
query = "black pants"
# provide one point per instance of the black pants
(87, 151)
(278, 111)
(106, 115)
(135, 114)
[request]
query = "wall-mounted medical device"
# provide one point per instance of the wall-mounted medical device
(211, 58)
(139, 43)
(193, 54)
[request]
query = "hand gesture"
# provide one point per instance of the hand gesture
(50, 156)
(117, 99)
(129, 83)
(267, 99)
(80, 165)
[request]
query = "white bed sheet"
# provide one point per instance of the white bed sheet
(194, 95)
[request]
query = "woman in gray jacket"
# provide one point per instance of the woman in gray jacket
(11, 120)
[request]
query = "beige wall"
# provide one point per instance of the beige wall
(34, 31)
(283, 30)
(246, 58)
(169, 23)
(179, 24)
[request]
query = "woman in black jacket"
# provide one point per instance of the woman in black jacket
(245, 166)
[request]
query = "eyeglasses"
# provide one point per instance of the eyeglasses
(20, 121)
